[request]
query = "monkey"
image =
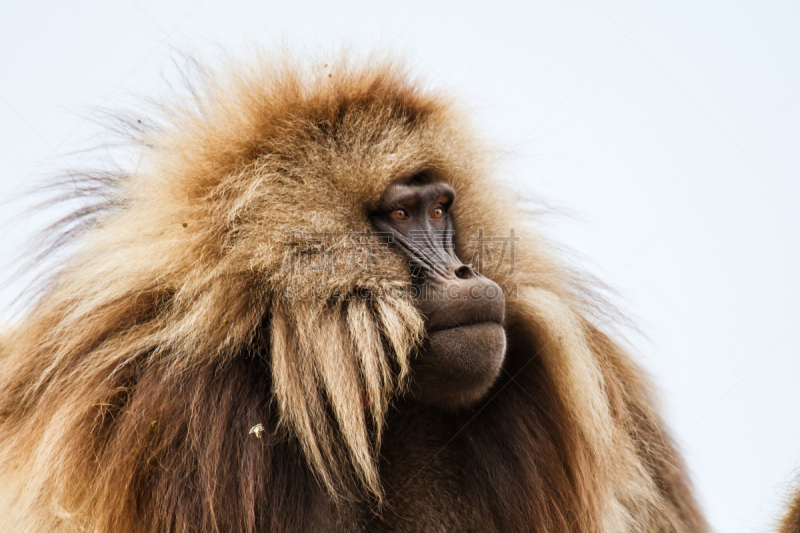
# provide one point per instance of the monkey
(286, 318)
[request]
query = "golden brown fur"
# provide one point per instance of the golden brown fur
(127, 395)
(791, 520)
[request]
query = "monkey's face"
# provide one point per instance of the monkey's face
(464, 311)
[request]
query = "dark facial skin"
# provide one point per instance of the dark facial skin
(463, 310)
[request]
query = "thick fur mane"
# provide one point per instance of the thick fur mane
(193, 310)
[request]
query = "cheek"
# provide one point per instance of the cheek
(458, 366)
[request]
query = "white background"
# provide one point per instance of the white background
(671, 129)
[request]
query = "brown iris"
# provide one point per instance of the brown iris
(400, 214)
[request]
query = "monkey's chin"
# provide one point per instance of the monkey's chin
(456, 367)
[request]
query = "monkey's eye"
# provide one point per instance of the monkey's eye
(437, 213)
(400, 214)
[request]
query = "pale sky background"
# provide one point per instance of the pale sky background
(670, 129)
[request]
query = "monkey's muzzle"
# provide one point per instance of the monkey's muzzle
(466, 343)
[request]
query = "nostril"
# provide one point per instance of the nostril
(463, 272)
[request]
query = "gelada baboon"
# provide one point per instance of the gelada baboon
(301, 311)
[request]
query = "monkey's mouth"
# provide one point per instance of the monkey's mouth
(467, 341)
(457, 366)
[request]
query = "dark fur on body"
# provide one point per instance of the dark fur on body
(127, 395)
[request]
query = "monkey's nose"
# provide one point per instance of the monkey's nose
(464, 272)
(462, 298)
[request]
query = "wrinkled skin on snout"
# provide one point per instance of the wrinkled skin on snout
(464, 311)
